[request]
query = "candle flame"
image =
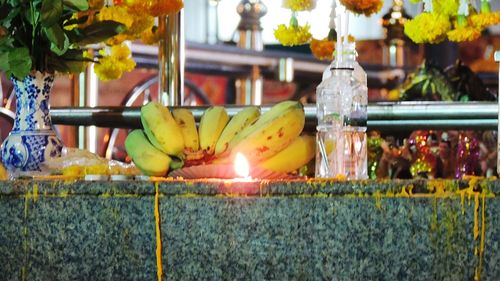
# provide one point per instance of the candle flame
(241, 166)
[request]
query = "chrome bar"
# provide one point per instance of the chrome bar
(497, 59)
(386, 117)
(171, 59)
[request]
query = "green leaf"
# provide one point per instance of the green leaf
(80, 5)
(96, 33)
(59, 42)
(51, 11)
(20, 62)
(4, 61)
(32, 18)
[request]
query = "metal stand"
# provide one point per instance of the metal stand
(497, 59)
(85, 87)
(171, 59)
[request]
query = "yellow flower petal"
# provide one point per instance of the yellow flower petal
(299, 5)
(291, 36)
(484, 20)
(464, 33)
(427, 28)
(112, 67)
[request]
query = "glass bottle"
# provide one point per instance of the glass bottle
(342, 116)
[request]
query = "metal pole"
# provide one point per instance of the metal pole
(407, 116)
(171, 59)
(497, 59)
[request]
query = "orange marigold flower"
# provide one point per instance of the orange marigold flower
(484, 20)
(322, 49)
(366, 7)
(154, 7)
(464, 33)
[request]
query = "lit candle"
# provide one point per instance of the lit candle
(242, 167)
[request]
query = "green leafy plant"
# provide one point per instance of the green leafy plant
(49, 35)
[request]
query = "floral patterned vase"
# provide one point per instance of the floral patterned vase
(32, 139)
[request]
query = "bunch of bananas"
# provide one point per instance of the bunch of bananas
(170, 140)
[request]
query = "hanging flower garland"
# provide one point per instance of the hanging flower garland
(486, 17)
(430, 26)
(295, 34)
(427, 27)
(299, 5)
(365, 7)
(464, 31)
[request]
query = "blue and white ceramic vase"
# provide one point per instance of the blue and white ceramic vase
(32, 139)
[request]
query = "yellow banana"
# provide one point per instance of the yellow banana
(186, 122)
(297, 154)
(162, 130)
(212, 124)
(270, 115)
(240, 121)
(146, 157)
(273, 136)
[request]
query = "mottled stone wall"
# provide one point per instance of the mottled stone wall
(401, 230)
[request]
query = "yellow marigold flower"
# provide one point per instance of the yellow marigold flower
(154, 7)
(484, 20)
(445, 7)
(112, 66)
(140, 24)
(366, 7)
(427, 28)
(464, 33)
(291, 36)
(322, 49)
(299, 5)
(150, 36)
(116, 13)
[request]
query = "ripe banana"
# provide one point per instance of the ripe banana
(268, 138)
(240, 121)
(270, 115)
(212, 124)
(162, 130)
(186, 122)
(146, 157)
(297, 154)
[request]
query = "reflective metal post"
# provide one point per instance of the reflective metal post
(85, 89)
(171, 59)
(497, 59)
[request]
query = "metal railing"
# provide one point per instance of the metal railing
(381, 116)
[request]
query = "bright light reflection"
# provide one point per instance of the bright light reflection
(241, 166)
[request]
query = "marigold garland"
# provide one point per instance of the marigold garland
(427, 28)
(464, 33)
(154, 7)
(292, 35)
(299, 5)
(322, 49)
(366, 7)
(110, 67)
(485, 19)
(151, 36)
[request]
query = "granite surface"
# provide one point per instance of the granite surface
(224, 230)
